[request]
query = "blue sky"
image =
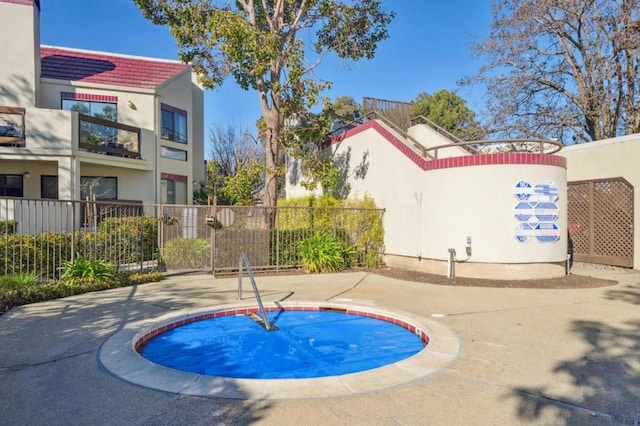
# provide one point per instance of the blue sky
(428, 49)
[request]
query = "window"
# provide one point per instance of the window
(104, 110)
(49, 187)
(174, 154)
(174, 124)
(174, 191)
(11, 186)
(100, 187)
(103, 107)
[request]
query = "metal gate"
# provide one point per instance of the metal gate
(213, 238)
(600, 221)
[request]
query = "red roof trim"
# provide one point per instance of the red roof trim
(173, 109)
(518, 158)
(106, 68)
(88, 97)
(23, 2)
(171, 176)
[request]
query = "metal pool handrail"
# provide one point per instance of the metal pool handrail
(263, 314)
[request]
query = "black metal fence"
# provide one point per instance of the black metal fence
(38, 236)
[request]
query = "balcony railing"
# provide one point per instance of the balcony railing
(108, 137)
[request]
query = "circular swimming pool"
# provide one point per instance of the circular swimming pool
(302, 344)
(121, 354)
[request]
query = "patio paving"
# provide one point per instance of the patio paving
(528, 356)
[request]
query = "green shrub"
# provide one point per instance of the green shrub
(322, 253)
(26, 289)
(8, 227)
(15, 281)
(285, 246)
(129, 239)
(186, 253)
(86, 270)
(357, 223)
(135, 278)
(18, 253)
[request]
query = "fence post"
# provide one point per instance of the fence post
(73, 232)
(277, 231)
(142, 241)
(213, 236)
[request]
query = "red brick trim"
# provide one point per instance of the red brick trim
(88, 97)
(461, 161)
(171, 176)
(145, 338)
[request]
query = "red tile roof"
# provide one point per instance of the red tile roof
(106, 68)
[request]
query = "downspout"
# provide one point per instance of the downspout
(451, 263)
(418, 197)
(156, 151)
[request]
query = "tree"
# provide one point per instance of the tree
(563, 69)
(450, 111)
(345, 110)
(262, 44)
(235, 167)
(307, 136)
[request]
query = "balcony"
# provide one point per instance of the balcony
(32, 130)
(108, 137)
(12, 127)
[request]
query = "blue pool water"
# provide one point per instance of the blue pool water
(307, 344)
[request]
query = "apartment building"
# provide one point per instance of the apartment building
(77, 124)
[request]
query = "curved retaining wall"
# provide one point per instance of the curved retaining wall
(512, 206)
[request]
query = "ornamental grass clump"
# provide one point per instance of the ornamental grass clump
(322, 253)
(82, 269)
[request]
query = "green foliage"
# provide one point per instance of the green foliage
(305, 141)
(346, 109)
(8, 227)
(83, 269)
(285, 244)
(186, 253)
(356, 223)
(18, 253)
(263, 45)
(322, 252)
(239, 189)
(126, 239)
(25, 289)
(235, 167)
(15, 281)
(450, 111)
(135, 278)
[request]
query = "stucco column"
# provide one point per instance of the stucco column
(69, 178)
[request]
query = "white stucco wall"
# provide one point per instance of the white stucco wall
(52, 134)
(198, 149)
(428, 212)
(393, 182)
(20, 64)
(179, 93)
(49, 129)
(479, 202)
(430, 138)
(143, 116)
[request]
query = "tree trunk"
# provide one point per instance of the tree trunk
(272, 160)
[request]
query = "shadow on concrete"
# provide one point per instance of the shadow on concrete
(607, 376)
(50, 374)
(628, 293)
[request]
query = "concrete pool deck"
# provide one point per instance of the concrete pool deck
(529, 356)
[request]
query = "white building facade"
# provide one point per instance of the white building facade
(78, 124)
